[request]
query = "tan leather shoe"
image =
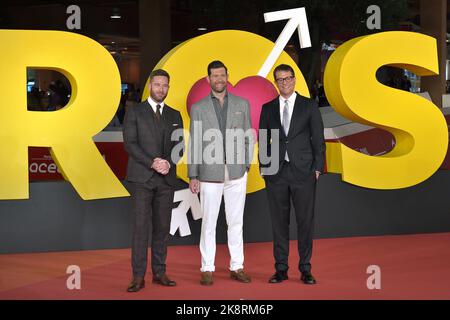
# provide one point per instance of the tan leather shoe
(240, 275)
(206, 278)
(164, 280)
(136, 284)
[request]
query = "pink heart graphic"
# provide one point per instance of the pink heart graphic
(255, 89)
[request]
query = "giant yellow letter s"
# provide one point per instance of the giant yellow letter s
(417, 124)
(95, 83)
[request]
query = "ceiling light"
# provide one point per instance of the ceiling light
(115, 14)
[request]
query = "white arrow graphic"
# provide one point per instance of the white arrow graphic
(297, 20)
(179, 214)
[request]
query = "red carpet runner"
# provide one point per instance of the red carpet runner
(412, 267)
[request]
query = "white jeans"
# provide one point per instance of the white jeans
(234, 192)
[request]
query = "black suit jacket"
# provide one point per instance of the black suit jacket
(305, 143)
(140, 140)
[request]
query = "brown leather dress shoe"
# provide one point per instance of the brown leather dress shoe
(206, 278)
(164, 280)
(136, 284)
(240, 275)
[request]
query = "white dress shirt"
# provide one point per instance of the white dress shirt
(291, 103)
(153, 104)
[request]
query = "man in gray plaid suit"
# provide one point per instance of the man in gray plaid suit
(147, 134)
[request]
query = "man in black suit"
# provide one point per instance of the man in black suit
(147, 133)
(301, 160)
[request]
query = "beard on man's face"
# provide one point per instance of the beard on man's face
(158, 96)
(218, 87)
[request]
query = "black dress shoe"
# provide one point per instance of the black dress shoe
(136, 285)
(308, 278)
(164, 280)
(278, 277)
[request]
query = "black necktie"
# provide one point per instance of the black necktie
(158, 112)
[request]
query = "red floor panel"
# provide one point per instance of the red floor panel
(412, 267)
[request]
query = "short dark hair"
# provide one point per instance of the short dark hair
(159, 73)
(216, 64)
(283, 67)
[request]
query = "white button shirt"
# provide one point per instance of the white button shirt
(153, 104)
(291, 103)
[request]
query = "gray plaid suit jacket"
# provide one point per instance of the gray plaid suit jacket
(139, 134)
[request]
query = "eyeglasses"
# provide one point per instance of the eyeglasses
(285, 80)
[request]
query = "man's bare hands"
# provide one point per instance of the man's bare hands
(194, 186)
(161, 166)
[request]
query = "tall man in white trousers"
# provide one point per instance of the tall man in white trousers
(222, 170)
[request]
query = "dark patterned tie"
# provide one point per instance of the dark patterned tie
(158, 112)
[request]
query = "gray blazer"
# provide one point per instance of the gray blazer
(239, 146)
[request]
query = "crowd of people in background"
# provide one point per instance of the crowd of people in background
(402, 83)
(129, 97)
(318, 94)
(56, 97)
